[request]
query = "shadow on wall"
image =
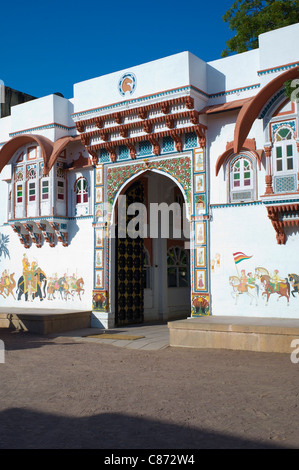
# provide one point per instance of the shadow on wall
(27, 429)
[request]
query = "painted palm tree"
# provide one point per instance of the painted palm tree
(4, 239)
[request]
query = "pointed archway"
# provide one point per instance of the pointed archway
(151, 273)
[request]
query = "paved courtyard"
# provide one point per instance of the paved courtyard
(66, 391)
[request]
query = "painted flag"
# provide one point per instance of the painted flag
(238, 257)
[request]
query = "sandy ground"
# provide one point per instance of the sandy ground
(57, 393)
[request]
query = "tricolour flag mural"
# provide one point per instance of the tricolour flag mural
(239, 256)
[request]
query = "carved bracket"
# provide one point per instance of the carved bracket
(165, 107)
(84, 139)
(24, 239)
(132, 150)
(281, 217)
(49, 237)
(142, 113)
(98, 122)
(200, 136)
(118, 118)
(104, 135)
(35, 237)
(112, 152)
(189, 102)
(147, 127)
(155, 143)
(169, 121)
(177, 141)
(194, 116)
(79, 126)
(61, 235)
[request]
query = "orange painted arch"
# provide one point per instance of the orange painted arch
(251, 110)
(50, 151)
(8, 149)
(230, 152)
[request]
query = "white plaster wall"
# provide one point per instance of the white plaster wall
(43, 111)
(247, 229)
(153, 77)
(5, 126)
(222, 74)
(76, 259)
(6, 173)
(279, 47)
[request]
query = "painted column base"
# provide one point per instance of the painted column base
(102, 320)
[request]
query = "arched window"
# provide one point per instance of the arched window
(284, 151)
(81, 190)
(178, 267)
(241, 178)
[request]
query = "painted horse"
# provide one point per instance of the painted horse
(252, 290)
(281, 288)
(7, 286)
(78, 288)
(60, 285)
(294, 280)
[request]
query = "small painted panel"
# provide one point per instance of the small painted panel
(100, 301)
(200, 233)
(200, 305)
(199, 162)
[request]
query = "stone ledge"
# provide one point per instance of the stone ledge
(45, 323)
(241, 333)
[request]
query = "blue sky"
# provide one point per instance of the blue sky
(49, 46)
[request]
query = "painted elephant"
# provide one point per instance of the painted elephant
(32, 284)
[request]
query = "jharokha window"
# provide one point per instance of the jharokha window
(284, 146)
(241, 179)
(81, 191)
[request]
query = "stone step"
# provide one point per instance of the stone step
(45, 323)
(236, 333)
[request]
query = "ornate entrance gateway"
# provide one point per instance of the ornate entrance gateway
(129, 259)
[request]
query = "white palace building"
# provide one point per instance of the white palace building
(211, 148)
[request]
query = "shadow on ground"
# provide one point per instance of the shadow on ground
(27, 429)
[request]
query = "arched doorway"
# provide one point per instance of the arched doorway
(151, 269)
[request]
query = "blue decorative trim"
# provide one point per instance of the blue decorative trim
(236, 90)
(278, 69)
(279, 201)
(270, 103)
(136, 100)
(254, 203)
(46, 126)
(33, 219)
(185, 89)
(236, 204)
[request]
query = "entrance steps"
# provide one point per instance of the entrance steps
(44, 321)
(236, 333)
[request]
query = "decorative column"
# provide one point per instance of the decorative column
(268, 178)
(100, 295)
(199, 249)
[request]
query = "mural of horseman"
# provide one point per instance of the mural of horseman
(33, 283)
